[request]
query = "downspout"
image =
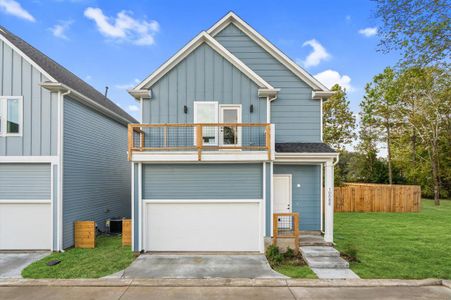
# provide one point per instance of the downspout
(60, 171)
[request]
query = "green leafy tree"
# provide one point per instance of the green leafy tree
(382, 93)
(420, 29)
(426, 110)
(339, 121)
(368, 137)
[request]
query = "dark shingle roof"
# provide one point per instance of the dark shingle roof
(63, 75)
(304, 148)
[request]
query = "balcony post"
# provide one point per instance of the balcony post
(268, 140)
(199, 141)
(130, 141)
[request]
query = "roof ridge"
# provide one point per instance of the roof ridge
(25, 47)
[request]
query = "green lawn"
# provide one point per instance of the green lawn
(295, 271)
(108, 257)
(399, 245)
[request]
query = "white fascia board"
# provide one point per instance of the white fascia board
(27, 58)
(318, 95)
(304, 157)
(270, 48)
(60, 87)
(201, 38)
(140, 94)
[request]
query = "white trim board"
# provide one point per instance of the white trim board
(27, 201)
(29, 159)
(200, 39)
(231, 17)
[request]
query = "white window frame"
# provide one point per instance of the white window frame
(238, 107)
(4, 115)
(216, 104)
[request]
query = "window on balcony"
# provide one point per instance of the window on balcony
(207, 112)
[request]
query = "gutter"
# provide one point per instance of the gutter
(60, 87)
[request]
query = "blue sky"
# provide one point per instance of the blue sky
(118, 43)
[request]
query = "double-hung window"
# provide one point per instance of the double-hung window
(11, 115)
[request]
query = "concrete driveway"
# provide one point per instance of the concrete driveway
(200, 266)
(12, 263)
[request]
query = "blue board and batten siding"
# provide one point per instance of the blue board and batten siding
(204, 75)
(96, 171)
(40, 107)
(295, 114)
(306, 199)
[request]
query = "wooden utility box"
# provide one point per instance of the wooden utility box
(126, 232)
(85, 234)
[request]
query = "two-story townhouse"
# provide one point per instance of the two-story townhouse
(62, 151)
(231, 133)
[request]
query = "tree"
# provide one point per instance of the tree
(368, 137)
(382, 93)
(420, 29)
(339, 121)
(429, 91)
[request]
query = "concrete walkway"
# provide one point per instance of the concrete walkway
(200, 266)
(326, 262)
(223, 289)
(12, 263)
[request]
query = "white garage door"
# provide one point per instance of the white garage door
(25, 226)
(187, 225)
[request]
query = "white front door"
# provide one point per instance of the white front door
(282, 193)
(282, 197)
(230, 135)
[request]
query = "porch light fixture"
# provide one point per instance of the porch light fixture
(251, 108)
(185, 109)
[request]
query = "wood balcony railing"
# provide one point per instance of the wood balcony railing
(199, 137)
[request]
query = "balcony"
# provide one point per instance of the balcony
(201, 142)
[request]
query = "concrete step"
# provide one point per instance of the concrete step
(327, 262)
(319, 251)
(335, 273)
(313, 240)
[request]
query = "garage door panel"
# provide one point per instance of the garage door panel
(25, 226)
(203, 226)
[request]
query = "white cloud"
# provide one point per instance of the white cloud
(133, 108)
(331, 77)
(348, 18)
(126, 86)
(318, 54)
(14, 8)
(368, 32)
(124, 28)
(59, 29)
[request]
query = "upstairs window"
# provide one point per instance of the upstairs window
(207, 112)
(11, 116)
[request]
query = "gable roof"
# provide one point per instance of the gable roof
(56, 73)
(201, 38)
(231, 17)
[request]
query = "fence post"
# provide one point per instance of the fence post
(275, 222)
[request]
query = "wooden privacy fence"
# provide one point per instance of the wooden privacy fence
(363, 197)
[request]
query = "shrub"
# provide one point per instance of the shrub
(350, 252)
(274, 256)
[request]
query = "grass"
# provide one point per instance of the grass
(398, 245)
(108, 257)
(294, 271)
(288, 263)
